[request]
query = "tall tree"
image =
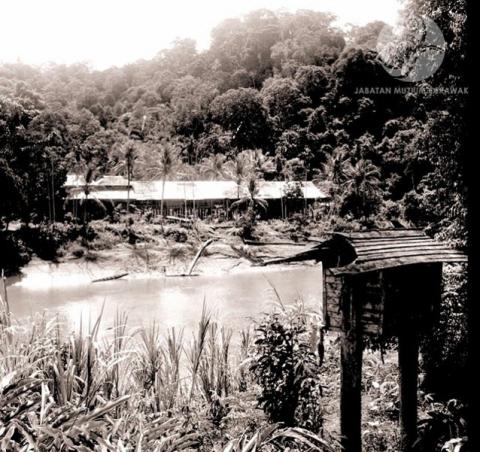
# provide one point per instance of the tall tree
(161, 161)
(214, 167)
(126, 165)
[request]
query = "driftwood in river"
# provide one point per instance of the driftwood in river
(110, 278)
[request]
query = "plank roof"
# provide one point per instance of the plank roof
(379, 249)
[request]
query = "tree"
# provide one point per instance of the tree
(362, 192)
(313, 81)
(161, 163)
(129, 156)
(214, 167)
(336, 168)
(12, 199)
(241, 112)
(284, 101)
(250, 203)
(262, 165)
(238, 169)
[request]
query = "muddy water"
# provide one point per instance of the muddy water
(234, 299)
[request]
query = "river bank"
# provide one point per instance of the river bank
(158, 251)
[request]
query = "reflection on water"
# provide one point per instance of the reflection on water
(233, 299)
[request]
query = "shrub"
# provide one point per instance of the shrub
(286, 368)
(179, 235)
(444, 352)
(46, 239)
(14, 253)
(77, 251)
(444, 427)
(245, 224)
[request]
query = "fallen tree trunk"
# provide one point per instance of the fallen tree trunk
(245, 255)
(110, 278)
(199, 255)
(258, 243)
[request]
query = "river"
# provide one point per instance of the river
(233, 299)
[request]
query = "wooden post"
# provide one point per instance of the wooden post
(408, 371)
(351, 370)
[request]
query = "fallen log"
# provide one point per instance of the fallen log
(110, 278)
(258, 243)
(199, 255)
(176, 275)
(245, 255)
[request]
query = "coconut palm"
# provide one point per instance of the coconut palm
(214, 167)
(251, 203)
(90, 174)
(363, 178)
(238, 169)
(161, 164)
(126, 165)
(335, 169)
(363, 184)
(261, 163)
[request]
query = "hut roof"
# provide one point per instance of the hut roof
(358, 252)
(379, 249)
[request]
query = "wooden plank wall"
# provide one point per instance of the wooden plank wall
(373, 299)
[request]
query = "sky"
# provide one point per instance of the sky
(106, 33)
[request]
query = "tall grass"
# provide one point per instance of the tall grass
(129, 389)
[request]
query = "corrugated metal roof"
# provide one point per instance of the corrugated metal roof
(75, 180)
(189, 190)
(181, 190)
(381, 249)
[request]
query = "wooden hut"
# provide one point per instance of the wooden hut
(382, 282)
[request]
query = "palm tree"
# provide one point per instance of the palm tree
(363, 183)
(335, 171)
(214, 166)
(90, 174)
(251, 203)
(126, 165)
(238, 169)
(335, 168)
(261, 163)
(162, 164)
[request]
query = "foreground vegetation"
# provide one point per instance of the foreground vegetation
(268, 388)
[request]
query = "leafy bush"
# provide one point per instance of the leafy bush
(14, 254)
(180, 235)
(46, 239)
(245, 224)
(444, 352)
(286, 368)
(444, 427)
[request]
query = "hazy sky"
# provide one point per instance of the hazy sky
(114, 32)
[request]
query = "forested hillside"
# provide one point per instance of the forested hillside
(287, 84)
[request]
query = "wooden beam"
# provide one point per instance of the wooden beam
(351, 369)
(408, 373)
